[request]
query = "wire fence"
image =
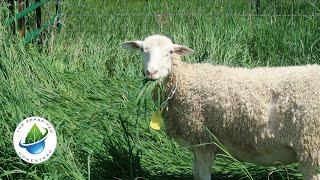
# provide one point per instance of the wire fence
(188, 14)
(255, 10)
(163, 19)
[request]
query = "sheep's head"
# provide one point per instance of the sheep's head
(157, 53)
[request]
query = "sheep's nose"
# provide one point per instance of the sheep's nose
(151, 73)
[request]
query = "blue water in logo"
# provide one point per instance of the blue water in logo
(36, 147)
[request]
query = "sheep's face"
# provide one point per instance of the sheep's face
(157, 53)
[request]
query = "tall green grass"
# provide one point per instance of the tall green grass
(86, 85)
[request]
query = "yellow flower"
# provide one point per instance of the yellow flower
(156, 120)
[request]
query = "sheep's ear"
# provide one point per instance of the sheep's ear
(182, 50)
(135, 45)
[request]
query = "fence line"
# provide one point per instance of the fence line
(190, 14)
(24, 9)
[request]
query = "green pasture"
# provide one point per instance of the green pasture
(86, 84)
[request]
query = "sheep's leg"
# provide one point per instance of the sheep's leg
(309, 172)
(203, 160)
(195, 167)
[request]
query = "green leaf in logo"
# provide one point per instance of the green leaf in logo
(35, 134)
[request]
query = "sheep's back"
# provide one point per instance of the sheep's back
(260, 108)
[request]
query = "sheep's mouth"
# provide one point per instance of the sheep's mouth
(157, 81)
(151, 79)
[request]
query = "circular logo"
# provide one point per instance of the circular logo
(35, 140)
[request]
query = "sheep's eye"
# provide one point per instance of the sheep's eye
(171, 51)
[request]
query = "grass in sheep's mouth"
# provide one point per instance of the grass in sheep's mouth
(146, 91)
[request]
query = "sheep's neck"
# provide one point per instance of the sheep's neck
(168, 81)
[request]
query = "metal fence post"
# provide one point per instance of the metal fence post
(58, 15)
(258, 7)
(21, 22)
(11, 8)
(38, 21)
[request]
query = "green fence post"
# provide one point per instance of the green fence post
(24, 10)
(31, 35)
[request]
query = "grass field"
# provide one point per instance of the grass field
(86, 85)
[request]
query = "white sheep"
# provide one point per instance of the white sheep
(261, 115)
